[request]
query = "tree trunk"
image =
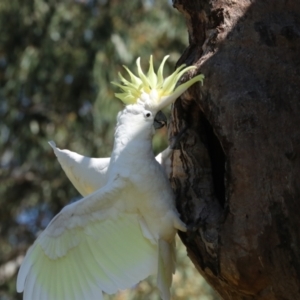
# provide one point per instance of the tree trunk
(236, 166)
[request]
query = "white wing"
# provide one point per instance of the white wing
(89, 247)
(89, 174)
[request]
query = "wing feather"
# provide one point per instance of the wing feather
(36, 292)
(82, 253)
(70, 285)
(104, 282)
(87, 174)
(81, 273)
(25, 268)
(91, 272)
(30, 282)
(119, 260)
(56, 278)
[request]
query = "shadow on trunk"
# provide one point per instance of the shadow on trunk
(236, 167)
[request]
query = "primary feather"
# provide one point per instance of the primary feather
(123, 229)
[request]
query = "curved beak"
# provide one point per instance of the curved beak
(160, 120)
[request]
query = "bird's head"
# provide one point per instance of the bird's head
(152, 90)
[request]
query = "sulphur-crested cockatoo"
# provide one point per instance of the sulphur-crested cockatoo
(123, 230)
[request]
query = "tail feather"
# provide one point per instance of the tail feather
(166, 267)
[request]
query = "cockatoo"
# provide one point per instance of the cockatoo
(123, 229)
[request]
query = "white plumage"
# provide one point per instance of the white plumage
(123, 229)
(88, 174)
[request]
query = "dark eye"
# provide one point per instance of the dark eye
(148, 114)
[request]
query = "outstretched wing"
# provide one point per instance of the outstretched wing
(89, 247)
(88, 174)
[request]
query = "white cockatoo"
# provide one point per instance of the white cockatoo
(123, 229)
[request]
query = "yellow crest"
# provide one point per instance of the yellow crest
(153, 90)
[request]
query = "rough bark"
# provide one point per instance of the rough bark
(236, 166)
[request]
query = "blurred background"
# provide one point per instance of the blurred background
(57, 59)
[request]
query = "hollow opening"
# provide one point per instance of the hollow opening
(217, 157)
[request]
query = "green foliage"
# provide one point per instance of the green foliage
(57, 59)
